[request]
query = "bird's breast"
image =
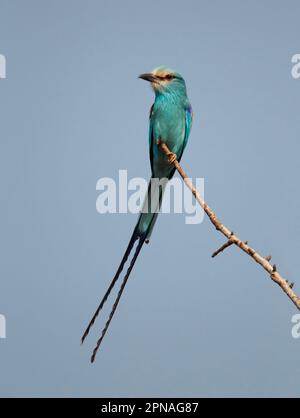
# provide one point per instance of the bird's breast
(169, 126)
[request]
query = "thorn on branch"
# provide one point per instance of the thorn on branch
(274, 268)
(292, 285)
(268, 258)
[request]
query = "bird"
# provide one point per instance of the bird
(170, 122)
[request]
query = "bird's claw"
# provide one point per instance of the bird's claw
(172, 158)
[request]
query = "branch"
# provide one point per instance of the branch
(232, 238)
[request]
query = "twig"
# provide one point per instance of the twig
(233, 238)
(222, 248)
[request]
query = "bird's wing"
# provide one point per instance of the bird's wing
(151, 139)
(188, 126)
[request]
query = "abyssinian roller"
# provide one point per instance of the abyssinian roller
(170, 123)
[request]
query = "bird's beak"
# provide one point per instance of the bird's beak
(148, 77)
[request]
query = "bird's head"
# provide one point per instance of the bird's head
(165, 80)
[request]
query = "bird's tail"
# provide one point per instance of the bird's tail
(141, 233)
(151, 206)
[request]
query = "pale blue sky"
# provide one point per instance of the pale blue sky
(72, 111)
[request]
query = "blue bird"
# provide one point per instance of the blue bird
(170, 122)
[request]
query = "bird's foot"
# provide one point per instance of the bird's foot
(172, 158)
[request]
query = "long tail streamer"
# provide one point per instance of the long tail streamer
(137, 251)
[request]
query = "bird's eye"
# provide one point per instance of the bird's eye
(169, 76)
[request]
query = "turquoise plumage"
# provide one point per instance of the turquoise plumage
(170, 122)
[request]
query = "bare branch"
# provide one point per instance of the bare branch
(233, 238)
